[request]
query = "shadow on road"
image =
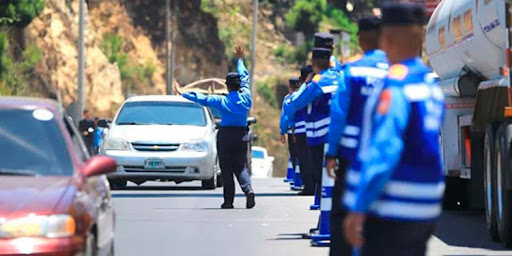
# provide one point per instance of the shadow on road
(192, 195)
(159, 188)
(465, 229)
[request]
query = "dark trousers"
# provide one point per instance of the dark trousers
(317, 165)
(292, 148)
(304, 156)
(395, 238)
(232, 150)
(339, 246)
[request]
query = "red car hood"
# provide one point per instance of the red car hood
(20, 196)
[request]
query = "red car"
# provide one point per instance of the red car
(54, 199)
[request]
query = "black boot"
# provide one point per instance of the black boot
(227, 206)
(250, 200)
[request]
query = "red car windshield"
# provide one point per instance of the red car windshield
(31, 143)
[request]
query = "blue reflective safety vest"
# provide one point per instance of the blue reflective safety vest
(316, 96)
(401, 172)
(235, 106)
(363, 78)
(295, 126)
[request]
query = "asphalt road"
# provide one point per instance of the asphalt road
(165, 219)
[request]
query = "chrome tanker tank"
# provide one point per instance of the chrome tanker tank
(467, 37)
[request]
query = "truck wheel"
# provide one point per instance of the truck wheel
(490, 182)
(503, 193)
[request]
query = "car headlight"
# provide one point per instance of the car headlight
(52, 226)
(196, 146)
(116, 144)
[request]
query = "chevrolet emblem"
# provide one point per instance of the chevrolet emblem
(155, 147)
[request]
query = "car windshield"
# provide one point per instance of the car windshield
(33, 144)
(258, 154)
(161, 113)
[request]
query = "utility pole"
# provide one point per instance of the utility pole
(79, 108)
(253, 48)
(168, 64)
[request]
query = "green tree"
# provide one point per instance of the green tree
(19, 12)
(306, 15)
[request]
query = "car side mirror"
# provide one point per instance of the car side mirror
(255, 137)
(105, 123)
(271, 158)
(99, 165)
(251, 120)
(217, 123)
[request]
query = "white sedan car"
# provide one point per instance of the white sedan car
(164, 138)
(262, 164)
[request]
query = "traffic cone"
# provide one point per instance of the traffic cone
(316, 203)
(323, 236)
(297, 179)
(290, 173)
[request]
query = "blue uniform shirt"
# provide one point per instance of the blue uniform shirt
(401, 173)
(298, 123)
(235, 106)
(363, 77)
(316, 96)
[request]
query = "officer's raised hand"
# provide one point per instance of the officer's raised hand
(239, 51)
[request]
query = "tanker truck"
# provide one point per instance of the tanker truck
(468, 46)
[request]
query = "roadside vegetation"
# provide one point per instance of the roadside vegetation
(133, 75)
(16, 70)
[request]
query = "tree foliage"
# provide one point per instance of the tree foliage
(15, 74)
(306, 16)
(19, 12)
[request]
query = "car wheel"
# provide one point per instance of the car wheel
(490, 182)
(503, 194)
(211, 183)
(91, 249)
(118, 184)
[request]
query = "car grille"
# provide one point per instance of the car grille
(155, 147)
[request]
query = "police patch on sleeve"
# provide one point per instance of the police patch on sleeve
(398, 72)
(316, 78)
(384, 102)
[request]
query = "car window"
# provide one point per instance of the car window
(78, 144)
(161, 113)
(33, 143)
(258, 154)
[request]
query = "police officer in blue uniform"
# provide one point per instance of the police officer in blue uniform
(287, 128)
(317, 96)
(395, 197)
(297, 133)
(363, 77)
(232, 137)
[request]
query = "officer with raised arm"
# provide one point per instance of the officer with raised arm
(317, 96)
(364, 77)
(232, 137)
(395, 197)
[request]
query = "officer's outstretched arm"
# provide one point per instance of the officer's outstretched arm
(214, 101)
(303, 97)
(339, 108)
(385, 147)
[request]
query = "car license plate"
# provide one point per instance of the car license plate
(153, 164)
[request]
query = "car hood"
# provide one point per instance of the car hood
(20, 196)
(158, 133)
